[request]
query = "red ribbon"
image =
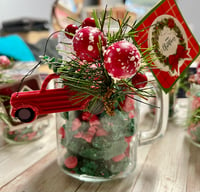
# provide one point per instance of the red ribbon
(180, 54)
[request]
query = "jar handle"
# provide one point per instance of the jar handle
(160, 119)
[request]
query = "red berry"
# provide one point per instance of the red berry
(139, 80)
(119, 157)
(71, 162)
(4, 61)
(86, 42)
(122, 59)
(87, 116)
(89, 21)
(71, 28)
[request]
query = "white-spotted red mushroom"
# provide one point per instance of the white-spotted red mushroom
(122, 59)
(86, 43)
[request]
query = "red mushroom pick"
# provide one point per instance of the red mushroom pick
(86, 41)
(122, 59)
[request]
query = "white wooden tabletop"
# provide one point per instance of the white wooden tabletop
(171, 164)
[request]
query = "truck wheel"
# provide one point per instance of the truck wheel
(25, 115)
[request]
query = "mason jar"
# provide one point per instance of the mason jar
(24, 133)
(13, 130)
(99, 147)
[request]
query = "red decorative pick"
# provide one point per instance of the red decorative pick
(28, 105)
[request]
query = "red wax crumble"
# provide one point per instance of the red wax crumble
(101, 132)
(128, 139)
(62, 132)
(71, 162)
(131, 115)
(127, 151)
(118, 157)
(76, 124)
(128, 104)
(86, 116)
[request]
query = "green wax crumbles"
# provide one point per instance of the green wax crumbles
(99, 143)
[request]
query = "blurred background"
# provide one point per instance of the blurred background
(10, 10)
(34, 21)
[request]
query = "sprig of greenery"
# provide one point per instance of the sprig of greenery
(91, 78)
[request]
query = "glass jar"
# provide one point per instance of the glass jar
(172, 103)
(24, 134)
(14, 131)
(194, 114)
(100, 147)
(96, 146)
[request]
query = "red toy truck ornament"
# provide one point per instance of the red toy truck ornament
(26, 106)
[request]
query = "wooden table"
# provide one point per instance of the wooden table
(171, 164)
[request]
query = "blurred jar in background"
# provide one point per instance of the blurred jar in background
(12, 130)
(193, 120)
